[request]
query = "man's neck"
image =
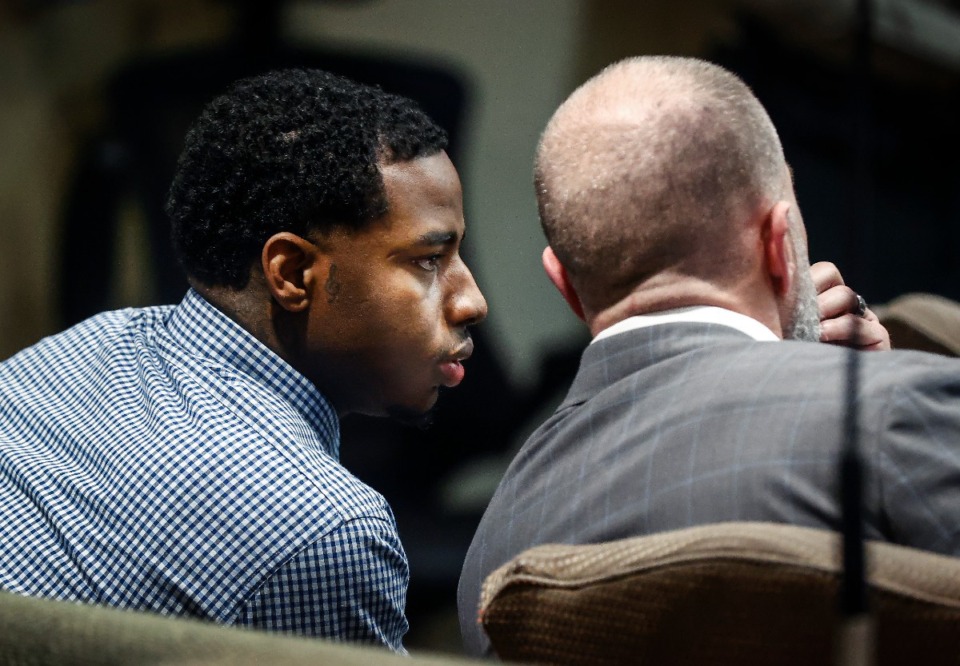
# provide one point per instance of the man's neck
(247, 308)
(692, 293)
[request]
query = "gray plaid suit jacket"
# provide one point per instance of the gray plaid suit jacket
(683, 424)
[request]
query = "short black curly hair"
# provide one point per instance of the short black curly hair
(291, 150)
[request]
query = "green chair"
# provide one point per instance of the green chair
(46, 632)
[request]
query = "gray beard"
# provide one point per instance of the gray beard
(804, 325)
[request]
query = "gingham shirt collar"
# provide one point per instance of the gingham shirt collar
(200, 329)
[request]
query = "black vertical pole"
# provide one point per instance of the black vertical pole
(853, 588)
(856, 640)
(859, 237)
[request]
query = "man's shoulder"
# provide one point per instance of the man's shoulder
(90, 358)
(704, 343)
(95, 330)
(729, 375)
(902, 368)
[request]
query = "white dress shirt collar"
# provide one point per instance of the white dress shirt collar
(702, 314)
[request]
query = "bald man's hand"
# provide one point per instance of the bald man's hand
(839, 322)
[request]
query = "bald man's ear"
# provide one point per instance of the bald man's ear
(781, 263)
(289, 267)
(558, 276)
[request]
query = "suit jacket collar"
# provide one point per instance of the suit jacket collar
(610, 359)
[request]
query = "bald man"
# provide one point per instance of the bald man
(674, 233)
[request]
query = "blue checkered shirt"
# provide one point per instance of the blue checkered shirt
(164, 459)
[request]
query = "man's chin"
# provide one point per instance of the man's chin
(412, 417)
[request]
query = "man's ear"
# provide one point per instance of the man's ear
(781, 263)
(288, 263)
(558, 276)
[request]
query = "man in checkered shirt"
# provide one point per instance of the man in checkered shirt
(184, 459)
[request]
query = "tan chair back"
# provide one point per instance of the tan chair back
(730, 593)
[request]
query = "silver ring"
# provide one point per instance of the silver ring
(861, 306)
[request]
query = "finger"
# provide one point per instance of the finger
(857, 332)
(870, 315)
(837, 301)
(825, 275)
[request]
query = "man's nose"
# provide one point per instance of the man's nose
(467, 304)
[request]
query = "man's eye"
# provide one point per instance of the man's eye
(430, 263)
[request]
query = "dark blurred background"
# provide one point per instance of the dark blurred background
(95, 96)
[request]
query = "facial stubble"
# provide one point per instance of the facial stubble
(805, 321)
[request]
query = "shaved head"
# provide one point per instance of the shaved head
(652, 168)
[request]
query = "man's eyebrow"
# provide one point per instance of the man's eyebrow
(437, 238)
